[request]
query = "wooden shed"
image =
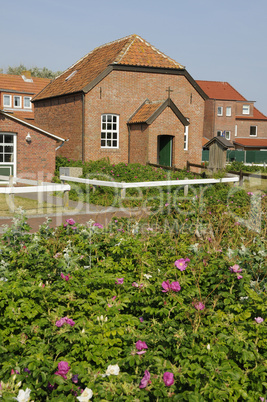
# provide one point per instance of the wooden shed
(217, 152)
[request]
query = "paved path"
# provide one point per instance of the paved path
(80, 212)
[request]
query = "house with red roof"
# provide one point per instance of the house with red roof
(27, 150)
(17, 91)
(128, 102)
(229, 114)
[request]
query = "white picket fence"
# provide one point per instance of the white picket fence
(166, 183)
(32, 186)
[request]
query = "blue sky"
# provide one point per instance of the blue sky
(215, 40)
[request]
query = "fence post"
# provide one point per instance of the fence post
(94, 186)
(185, 188)
(123, 191)
(11, 194)
(66, 199)
(40, 197)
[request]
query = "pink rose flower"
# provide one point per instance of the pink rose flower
(235, 268)
(168, 378)
(63, 369)
(145, 380)
(70, 221)
(182, 263)
(98, 225)
(259, 320)
(199, 306)
(119, 281)
(174, 286)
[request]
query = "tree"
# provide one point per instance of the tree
(35, 71)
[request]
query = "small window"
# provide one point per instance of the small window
(246, 109)
(228, 135)
(220, 111)
(228, 111)
(253, 131)
(219, 133)
(17, 101)
(7, 100)
(186, 138)
(27, 102)
(109, 131)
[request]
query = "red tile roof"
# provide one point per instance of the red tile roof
(17, 83)
(145, 112)
(224, 91)
(220, 90)
(131, 51)
(252, 142)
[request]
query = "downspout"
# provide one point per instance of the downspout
(129, 139)
(61, 145)
(83, 120)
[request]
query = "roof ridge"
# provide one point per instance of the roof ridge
(93, 50)
(127, 47)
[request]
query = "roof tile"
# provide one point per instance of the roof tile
(131, 51)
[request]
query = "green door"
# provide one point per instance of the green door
(165, 150)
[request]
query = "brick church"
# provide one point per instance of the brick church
(126, 101)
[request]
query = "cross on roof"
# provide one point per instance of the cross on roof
(169, 90)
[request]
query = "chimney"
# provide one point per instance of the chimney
(26, 75)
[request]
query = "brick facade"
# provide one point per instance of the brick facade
(35, 160)
(122, 93)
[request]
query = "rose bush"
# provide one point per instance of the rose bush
(173, 294)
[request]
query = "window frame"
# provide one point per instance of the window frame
(219, 131)
(186, 130)
(105, 132)
(14, 153)
(246, 109)
(229, 135)
(256, 131)
(24, 106)
(10, 100)
(19, 97)
(221, 111)
(228, 111)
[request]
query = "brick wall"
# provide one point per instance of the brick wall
(139, 143)
(121, 93)
(35, 160)
(243, 128)
(63, 117)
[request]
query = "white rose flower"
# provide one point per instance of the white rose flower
(23, 396)
(147, 276)
(86, 395)
(113, 369)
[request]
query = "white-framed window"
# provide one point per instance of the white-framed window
(17, 101)
(219, 133)
(253, 131)
(6, 148)
(228, 111)
(186, 138)
(236, 130)
(109, 131)
(7, 101)
(220, 111)
(228, 135)
(27, 102)
(246, 109)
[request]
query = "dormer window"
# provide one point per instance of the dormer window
(7, 100)
(27, 102)
(246, 109)
(17, 101)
